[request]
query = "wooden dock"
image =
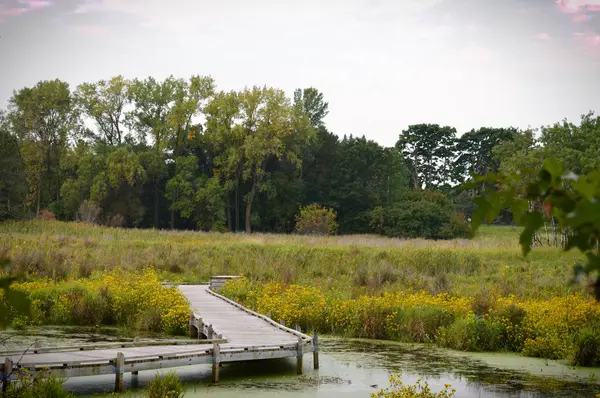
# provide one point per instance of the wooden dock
(221, 330)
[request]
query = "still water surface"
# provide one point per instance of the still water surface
(354, 368)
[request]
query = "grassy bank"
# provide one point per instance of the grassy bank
(350, 265)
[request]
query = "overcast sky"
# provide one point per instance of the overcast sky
(381, 64)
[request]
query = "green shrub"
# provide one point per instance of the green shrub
(26, 386)
(473, 334)
(456, 336)
(587, 348)
(424, 214)
(421, 324)
(550, 346)
(168, 386)
(418, 390)
(316, 220)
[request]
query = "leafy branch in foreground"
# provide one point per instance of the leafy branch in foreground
(571, 201)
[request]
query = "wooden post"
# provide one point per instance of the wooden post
(269, 314)
(298, 329)
(315, 349)
(38, 344)
(119, 369)
(211, 332)
(216, 361)
(299, 354)
(282, 322)
(8, 369)
(193, 329)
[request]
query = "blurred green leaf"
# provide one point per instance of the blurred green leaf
(553, 167)
(533, 221)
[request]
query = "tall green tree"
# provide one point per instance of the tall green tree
(225, 135)
(181, 189)
(429, 151)
(474, 151)
(13, 185)
(149, 117)
(366, 175)
(319, 166)
(577, 146)
(312, 104)
(117, 186)
(190, 98)
(105, 102)
(248, 129)
(80, 165)
(44, 117)
(267, 124)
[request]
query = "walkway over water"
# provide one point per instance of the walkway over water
(232, 333)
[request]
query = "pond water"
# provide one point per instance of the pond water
(352, 368)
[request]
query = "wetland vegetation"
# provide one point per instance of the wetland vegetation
(87, 172)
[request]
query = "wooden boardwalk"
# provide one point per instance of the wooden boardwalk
(222, 331)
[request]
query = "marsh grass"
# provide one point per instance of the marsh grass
(479, 294)
(167, 386)
(353, 265)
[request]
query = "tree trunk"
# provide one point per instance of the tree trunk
(554, 232)
(172, 222)
(229, 223)
(39, 198)
(249, 205)
(156, 203)
(237, 208)
(248, 215)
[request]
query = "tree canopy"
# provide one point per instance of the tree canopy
(180, 153)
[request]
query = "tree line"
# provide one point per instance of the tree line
(178, 153)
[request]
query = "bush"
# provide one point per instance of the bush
(424, 214)
(550, 346)
(136, 301)
(314, 219)
(47, 215)
(115, 220)
(26, 386)
(420, 324)
(165, 387)
(88, 212)
(587, 348)
(418, 390)
(474, 334)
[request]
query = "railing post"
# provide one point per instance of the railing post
(282, 322)
(315, 349)
(8, 369)
(200, 326)
(211, 332)
(192, 326)
(119, 370)
(216, 361)
(299, 354)
(269, 314)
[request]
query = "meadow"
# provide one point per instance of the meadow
(352, 265)
(477, 295)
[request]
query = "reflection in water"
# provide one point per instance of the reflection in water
(354, 368)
